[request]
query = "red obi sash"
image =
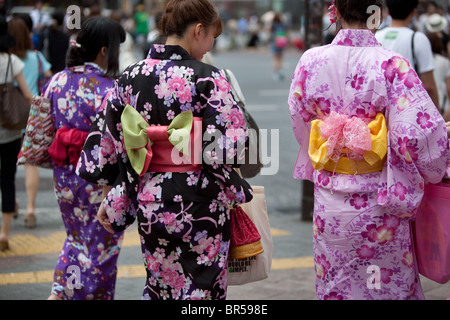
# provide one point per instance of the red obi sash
(67, 145)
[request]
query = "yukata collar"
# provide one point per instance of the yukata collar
(356, 38)
(88, 67)
(168, 52)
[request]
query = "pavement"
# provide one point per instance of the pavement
(26, 270)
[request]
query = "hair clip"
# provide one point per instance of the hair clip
(73, 43)
(332, 12)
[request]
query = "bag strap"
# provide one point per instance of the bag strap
(7, 69)
(416, 63)
(41, 69)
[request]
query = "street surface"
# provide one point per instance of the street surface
(26, 270)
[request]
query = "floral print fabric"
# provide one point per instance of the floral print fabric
(183, 217)
(89, 250)
(366, 222)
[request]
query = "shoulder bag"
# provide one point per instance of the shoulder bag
(39, 133)
(431, 233)
(14, 108)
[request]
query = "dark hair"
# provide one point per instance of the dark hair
(436, 43)
(7, 41)
(97, 32)
(178, 15)
(355, 11)
(27, 19)
(401, 9)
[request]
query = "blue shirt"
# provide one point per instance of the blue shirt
(31, 69)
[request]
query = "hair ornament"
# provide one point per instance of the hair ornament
(73, 43)
(332, 12)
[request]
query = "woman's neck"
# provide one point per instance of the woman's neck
(400, 24)
(177, 41)
(355, 26)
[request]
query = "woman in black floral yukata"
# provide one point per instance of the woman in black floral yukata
(183, 207)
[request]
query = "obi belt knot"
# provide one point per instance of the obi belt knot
(67, 146)
(348, 145)
(172, 148)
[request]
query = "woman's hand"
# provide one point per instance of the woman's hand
(103, 219)
(101, 213)
(447, 124)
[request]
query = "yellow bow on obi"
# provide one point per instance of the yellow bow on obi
(348, 145)
(139, 137)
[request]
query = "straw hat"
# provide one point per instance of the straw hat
(436, 23)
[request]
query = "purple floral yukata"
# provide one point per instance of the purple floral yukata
(365, 225)
(89, 251)
(184, 217)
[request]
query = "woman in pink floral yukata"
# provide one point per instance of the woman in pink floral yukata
(182, 206)
(370, 139)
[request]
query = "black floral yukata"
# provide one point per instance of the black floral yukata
(184, 217)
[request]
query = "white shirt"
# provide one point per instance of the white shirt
(40, 17)
(400, 40)
(441, 74)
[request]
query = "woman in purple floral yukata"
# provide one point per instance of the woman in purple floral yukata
(370, 139)
(182, 207)
(87, 266)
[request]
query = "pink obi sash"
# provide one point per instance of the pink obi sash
(162, 156)
(67, 145)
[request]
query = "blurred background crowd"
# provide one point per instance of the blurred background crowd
(247, 22)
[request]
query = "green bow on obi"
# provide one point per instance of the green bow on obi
(139, 136)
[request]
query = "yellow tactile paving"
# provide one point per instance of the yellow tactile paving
(28, 244)
(135, 271)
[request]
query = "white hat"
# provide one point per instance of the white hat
(436, 23)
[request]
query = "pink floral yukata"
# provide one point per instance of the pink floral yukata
(184, 217)
(362, 222)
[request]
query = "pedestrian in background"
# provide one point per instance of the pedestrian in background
(370, 138)
(75, 95)
(58, 42)
(412, 45)
(41, 23)
(34, 62)
(279, 38)
(441, 74)
(182, 207)
(10, 140)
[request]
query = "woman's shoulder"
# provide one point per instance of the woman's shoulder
(16, 62)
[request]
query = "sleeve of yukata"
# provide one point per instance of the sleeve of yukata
(224, 140)
(301, 122)
(418, 146)
(104, 161)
